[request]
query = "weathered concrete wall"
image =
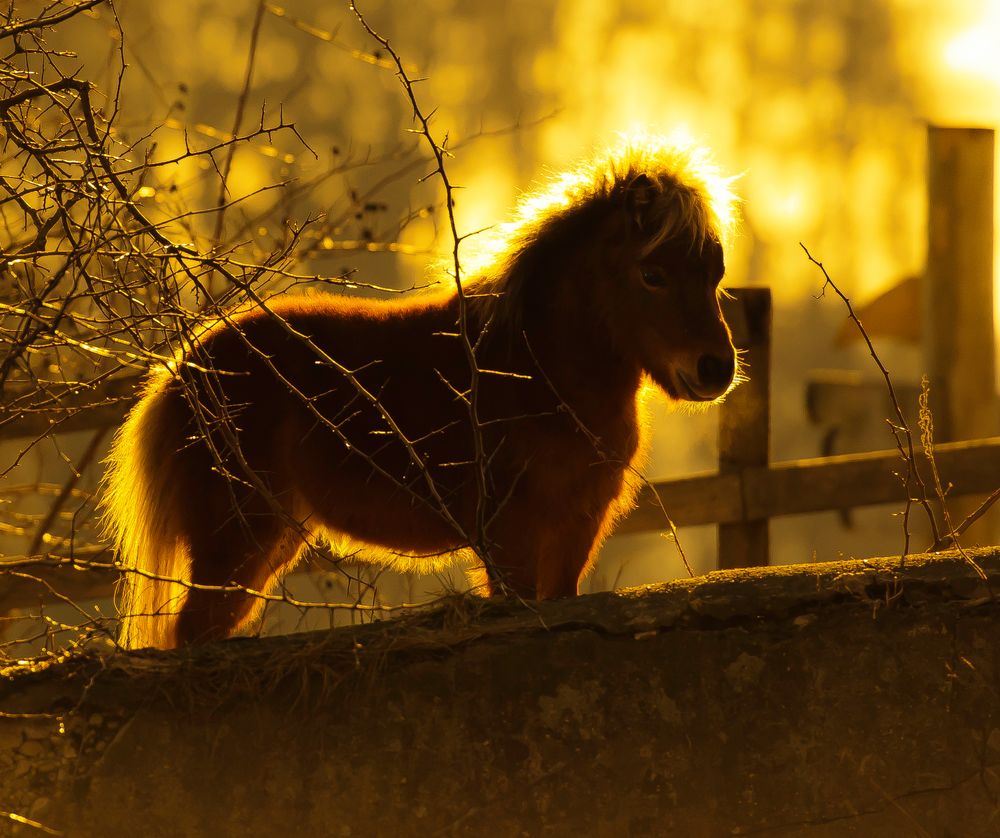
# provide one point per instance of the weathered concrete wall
(837, 699)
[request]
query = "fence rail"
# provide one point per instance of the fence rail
(820, 484)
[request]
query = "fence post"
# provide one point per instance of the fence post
(745, 421)
(958, 303)
(959, 340)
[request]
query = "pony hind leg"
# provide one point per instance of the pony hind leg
(234, 555)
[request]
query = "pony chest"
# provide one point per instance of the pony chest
(577, 450)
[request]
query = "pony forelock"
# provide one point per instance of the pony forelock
(676, 191)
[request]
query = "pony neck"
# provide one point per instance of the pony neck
(580, 359)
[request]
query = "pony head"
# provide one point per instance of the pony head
(678, 214)
(628, 245)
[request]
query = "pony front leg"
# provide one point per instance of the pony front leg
(546, 563)
(564, 563)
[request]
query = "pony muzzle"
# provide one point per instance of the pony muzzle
(712, 378)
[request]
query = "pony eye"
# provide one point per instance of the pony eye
(653, 277)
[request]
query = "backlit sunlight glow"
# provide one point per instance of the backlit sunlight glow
(786, 127)
(971, 62)
(637, 151)
(811, 104)
(821, 108)
(974, 50)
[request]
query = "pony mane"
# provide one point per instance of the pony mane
(677, 191)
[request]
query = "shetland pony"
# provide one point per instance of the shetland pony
(327, 416)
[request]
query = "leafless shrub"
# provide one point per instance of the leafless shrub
(914, 487)
(110, 266)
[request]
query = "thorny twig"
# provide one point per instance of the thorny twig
(22, 820)
(478, 538)
(237, 122)
(103, 260)
(903, 437)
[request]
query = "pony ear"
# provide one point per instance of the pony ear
(639, 194)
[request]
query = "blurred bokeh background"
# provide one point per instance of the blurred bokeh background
(821, 108)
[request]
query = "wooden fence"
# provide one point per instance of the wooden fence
(748, 490)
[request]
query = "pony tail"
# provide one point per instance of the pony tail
(141, 500)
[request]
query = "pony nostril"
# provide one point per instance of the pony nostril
(714, 371)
